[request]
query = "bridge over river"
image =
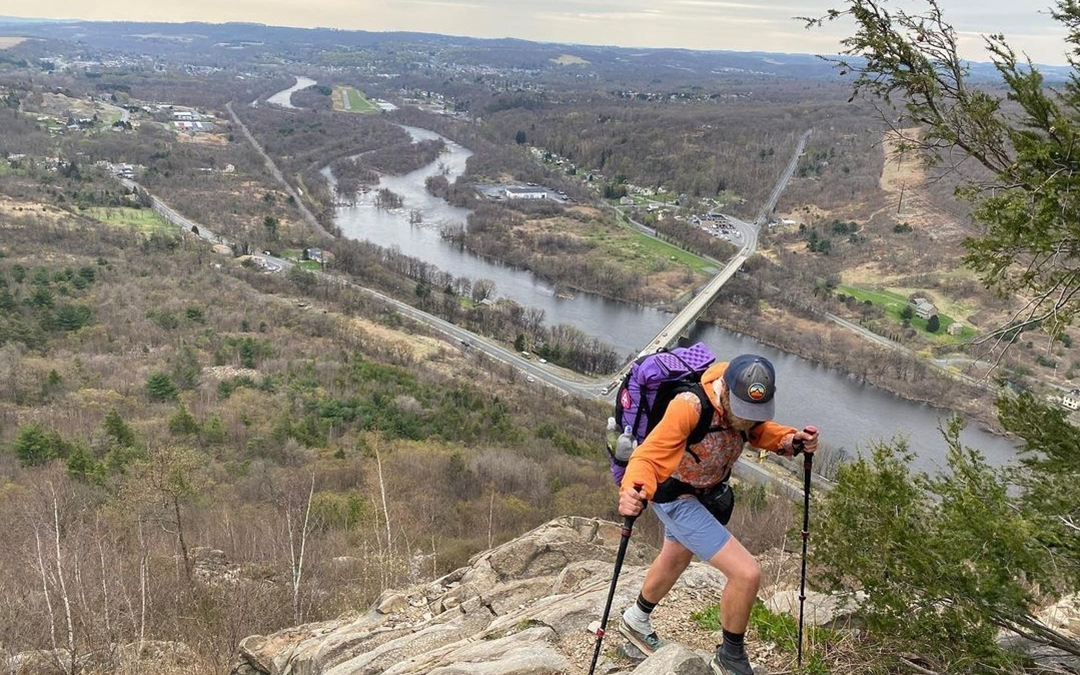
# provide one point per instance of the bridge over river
(705, 295)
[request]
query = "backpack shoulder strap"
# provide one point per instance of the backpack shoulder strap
(705, 419)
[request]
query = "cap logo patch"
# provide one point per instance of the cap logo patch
(756, 391)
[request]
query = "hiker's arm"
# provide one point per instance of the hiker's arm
(773, 437)
(659, 455)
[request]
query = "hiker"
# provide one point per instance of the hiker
(688, 488)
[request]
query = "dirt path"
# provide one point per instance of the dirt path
(904, 180)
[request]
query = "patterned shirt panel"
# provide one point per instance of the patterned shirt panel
(717, 452)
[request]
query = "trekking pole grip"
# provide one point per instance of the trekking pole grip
(798, 443)
(628, 521)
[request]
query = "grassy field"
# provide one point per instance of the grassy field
(294, 254)
(570, 60)
(6, 42)
(142, 219)
(633, 246)
(357, 102)
(894, 304)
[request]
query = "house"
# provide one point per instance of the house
(1071, 399)
(515, 192)
(924, 309)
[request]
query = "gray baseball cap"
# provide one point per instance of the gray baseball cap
(751, 383)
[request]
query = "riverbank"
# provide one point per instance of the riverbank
(860, 393)
(834, 348)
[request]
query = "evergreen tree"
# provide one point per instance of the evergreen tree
(118, 430)
(950, 561)
(933, 324)
(34, 445)
(186, 368)
(183, 423)
(160, 387)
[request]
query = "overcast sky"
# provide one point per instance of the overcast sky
(744, 25)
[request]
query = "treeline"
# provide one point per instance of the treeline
(694, 238)
(460, 299)
(705, 150)
(164, 464)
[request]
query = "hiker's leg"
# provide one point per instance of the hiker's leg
(743, 579)
(673, 560)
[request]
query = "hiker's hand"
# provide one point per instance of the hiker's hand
(631, 502)
(806, 440)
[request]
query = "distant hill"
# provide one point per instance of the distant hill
(200, 42)
(207, 42)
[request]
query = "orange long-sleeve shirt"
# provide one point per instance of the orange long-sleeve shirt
(663, 453)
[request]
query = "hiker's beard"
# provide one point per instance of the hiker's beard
(737, 423)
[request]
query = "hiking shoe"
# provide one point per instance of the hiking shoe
(646, 643)
(724, 663)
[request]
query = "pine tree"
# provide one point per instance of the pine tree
(117, 429)
(160, 387)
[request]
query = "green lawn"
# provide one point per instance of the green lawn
(894, 303)
(634, 248)
(357, 102)
(646, 245)
(142, 219)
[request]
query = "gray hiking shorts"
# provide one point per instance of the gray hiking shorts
(690, 524)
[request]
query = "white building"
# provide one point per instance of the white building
(526, 193)
(924, 309)
(1071, 399)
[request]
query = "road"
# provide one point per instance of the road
(563, 380)
(276, 173)
(748, 234)
(542, 374)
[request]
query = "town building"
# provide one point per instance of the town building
(924, 309)
(1071, 399)
(526, 193)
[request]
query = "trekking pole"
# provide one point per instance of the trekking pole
(627, 529)
(808, 466)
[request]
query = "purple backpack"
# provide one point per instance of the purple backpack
(648, 388)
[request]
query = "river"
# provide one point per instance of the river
(284, 98)
(849, 413)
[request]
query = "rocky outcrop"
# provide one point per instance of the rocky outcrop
(521, 608)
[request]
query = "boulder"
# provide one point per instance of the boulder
(40, 662)
(829, 611)
(520, 608)
(156, 652)
(675, 659)
(391, 603)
